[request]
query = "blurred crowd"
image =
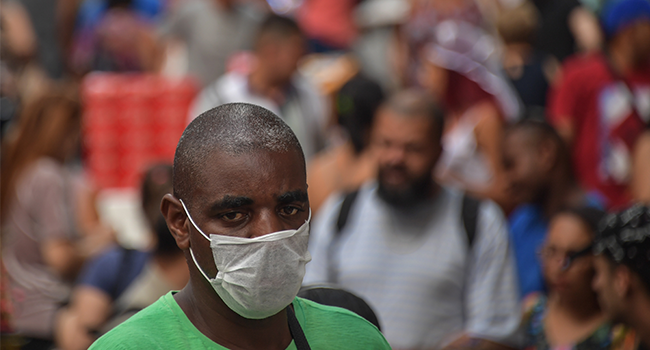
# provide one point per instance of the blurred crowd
(462, 157)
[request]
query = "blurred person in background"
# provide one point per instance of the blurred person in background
(120, 282)
(602, 102)
(328, 24)
(274, 83)
(46, 230)
(456, 70)
(566, 27)
(115, 36)
(17, 47)
(346, 166)
(46, 24)
(622, 263)
(433, 278)
(528, 70)
(420, 29)
(570, 317)
(540, 180)
(211, 31)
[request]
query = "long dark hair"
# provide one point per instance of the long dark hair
(39, 132)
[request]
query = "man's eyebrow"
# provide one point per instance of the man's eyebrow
(231, 202)
(293, 196)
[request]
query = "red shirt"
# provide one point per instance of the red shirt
(606, 126)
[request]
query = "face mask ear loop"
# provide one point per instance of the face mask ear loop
(187, 212)
(199, 267)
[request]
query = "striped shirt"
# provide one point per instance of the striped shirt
(415, 268)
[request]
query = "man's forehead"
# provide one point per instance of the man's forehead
(249, 174)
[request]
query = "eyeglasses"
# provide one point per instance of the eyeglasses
(567, 258)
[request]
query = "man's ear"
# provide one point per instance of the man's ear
(622, 281)
(176, 219)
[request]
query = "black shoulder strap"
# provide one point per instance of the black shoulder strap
(297, 334)
(344, 213)
(470, 217)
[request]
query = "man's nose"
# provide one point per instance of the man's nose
(265, 222)
(395, 155)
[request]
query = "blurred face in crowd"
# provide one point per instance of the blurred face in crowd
(281, 55)
(641, 39)
(407, 151)
(611, 284)
(525, 165)
(568, 235)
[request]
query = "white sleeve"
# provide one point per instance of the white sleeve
(207, 99)
(493, 309)
(322, 232)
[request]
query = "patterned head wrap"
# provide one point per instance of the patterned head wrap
(625, 238)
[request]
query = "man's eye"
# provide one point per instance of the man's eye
(233, 216)
(290, 211)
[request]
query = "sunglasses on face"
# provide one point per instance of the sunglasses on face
(567, 258)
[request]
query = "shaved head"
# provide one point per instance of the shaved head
(232, 129)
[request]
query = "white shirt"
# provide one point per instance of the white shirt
(304, 110)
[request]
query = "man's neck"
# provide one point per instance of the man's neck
(212, 317)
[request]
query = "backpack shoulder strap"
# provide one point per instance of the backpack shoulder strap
(344, 213)
(469, 214)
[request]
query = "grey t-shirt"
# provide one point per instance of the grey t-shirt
(39, 212)
(416, 271)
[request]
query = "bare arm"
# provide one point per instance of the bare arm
(87, 312)
(66, 257)
(565, 129)
(18, 34)
(489, 134)
(585, 28)
(640, 184)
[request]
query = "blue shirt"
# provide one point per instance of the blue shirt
(528, 227)
(114, 270)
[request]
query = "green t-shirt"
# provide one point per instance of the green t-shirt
(163, 325)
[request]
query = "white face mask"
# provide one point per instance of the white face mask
(258, 277)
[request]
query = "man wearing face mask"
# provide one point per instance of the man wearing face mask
(240, 213)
